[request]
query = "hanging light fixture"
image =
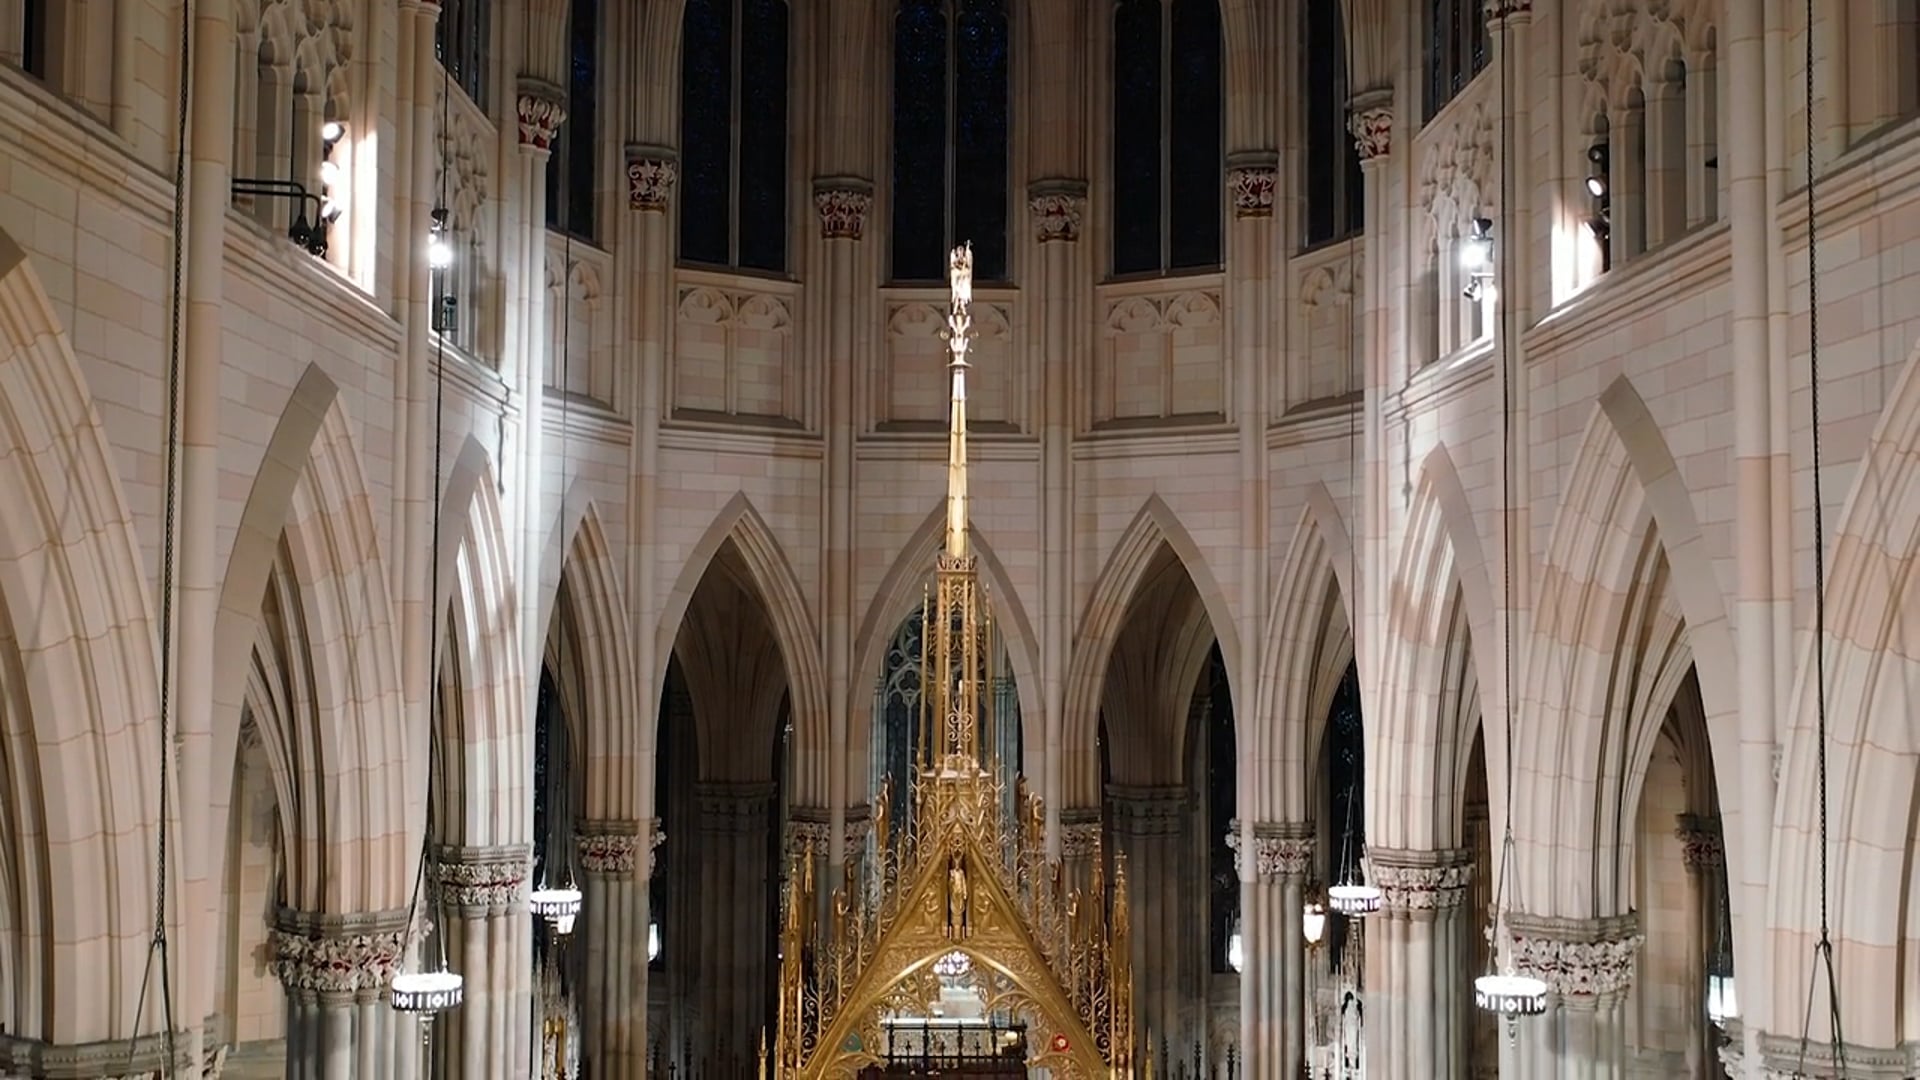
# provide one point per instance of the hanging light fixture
(559, 906)
(1236, 948)
(1313, 923)
(1503, 990)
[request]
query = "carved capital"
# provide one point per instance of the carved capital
(1498, 11)
(337, 956)
(809, 836)
(1251, 189)
(608, 848)
(651, 173)
(481, 880)
(1701, 844)
(1371, 126)
(1080, 839)
(1148, 811)
(1057, 207)
(734, 809)
(1577, 957)
(843, 203)
(541, 114)
(1420, 880)
(1281, 851)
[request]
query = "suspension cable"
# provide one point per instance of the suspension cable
(1823, 948)
(157, 952)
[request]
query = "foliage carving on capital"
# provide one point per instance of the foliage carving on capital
(1279, 851)
(608, 848)
(1080, 839)
(484, 879)
(1701, 845)
(1057, 208)
(1422, 888)
(1252, 189)
(843, 205)
(1577, 958)
(541, 115)
(808, 837)
(1372, 129)
(651, 175)
(335, 957)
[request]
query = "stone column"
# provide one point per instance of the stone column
(484, 893)
(1150, 825)
(734, 970)
(1273, 1002)
(1372, 130)
(1057, 207)
(1587, 965)
(614, 933)
(843, 203)
(1423, 928)
(1704, 854)
(336, 970)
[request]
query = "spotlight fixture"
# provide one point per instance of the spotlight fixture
(332, 132)
(1476, 257)
(439, 248)
(1597, 178)
(310, 233)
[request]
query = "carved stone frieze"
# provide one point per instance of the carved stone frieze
(1251, 189)
(1057, 207)
(843, 203)
(1577, 957)
(140, 1058)
(334, 956)
(608, 848)
(540, 113)
(1786, 1057)
(651, 174)
(484, 879)
(1702, 846)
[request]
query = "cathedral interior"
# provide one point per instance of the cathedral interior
(845, 539)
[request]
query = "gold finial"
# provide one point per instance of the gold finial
(959, 336)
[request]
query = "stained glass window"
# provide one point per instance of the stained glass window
(732, 189)
(1167, 126)
(1346, 798)
(570, 170)
(950, 136)
(1331, 170)
(462, 36)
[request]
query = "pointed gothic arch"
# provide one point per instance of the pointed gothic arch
(1306, 647)
(307, 517)
(485, 729)
(1439, 603)
(794, 628)
(600, 695)
(899, 595)
(1128, 562)
(78, 693)
(1873, 748)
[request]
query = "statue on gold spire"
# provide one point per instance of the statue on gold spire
(959, 336)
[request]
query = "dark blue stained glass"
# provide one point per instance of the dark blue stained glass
(1196, 181)
(1137, 123)
(763, 135)
(919, 141)
(1330, 177)
(706, 128)
(981, 133)
(571, 176)
(1346, 796)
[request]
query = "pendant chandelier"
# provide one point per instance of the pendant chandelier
(1504, 990)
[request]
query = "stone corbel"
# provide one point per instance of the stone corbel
(477, 881)
(1057, 207)
(337, 957)
(651, 173)
(843, 203)
(1252, 181)
(608, 849)
(1577, 957)
(541, 113)
(1371, 126)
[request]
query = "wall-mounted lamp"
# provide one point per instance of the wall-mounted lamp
(309, 234)
(1476, 257)
(332, 177)
(446, 307)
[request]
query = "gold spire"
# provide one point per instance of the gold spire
(959, 335)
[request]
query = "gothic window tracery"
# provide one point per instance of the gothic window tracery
(733, 134)
(571, 169)
(951, 130)
(1167, 157)
(1346, 800)
(1331, 168)
(1456, 49)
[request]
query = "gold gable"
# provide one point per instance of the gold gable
(963, 872)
